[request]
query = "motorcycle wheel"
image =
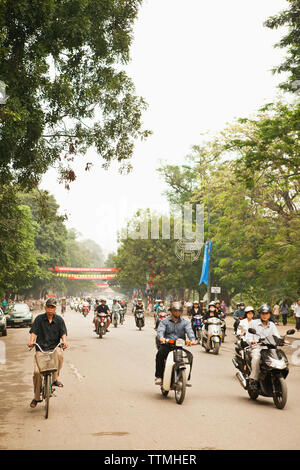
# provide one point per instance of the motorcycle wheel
(252, 394)
(198, 336)
(216, 348)
(280, 398)
(180, 387)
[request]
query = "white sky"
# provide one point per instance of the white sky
(199, 65)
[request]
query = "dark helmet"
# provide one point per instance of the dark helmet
(241, 304)
(265, 308)
(51, 302)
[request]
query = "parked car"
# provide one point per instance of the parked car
(2, 323)
(19, 315)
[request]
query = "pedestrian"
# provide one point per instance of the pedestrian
(276, 312)
(296, 309)
(48, 329)
(284, 310)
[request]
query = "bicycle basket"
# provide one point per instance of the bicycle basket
(47, 362)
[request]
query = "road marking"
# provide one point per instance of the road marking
(75, 370)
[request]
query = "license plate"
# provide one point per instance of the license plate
(18, 321)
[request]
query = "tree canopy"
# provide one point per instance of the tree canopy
(61, 61)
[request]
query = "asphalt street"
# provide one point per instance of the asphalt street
(109, 400)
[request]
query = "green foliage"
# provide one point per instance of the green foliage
(61, 62)
(18, 256)
(290, 19)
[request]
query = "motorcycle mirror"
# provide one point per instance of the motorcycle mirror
(290, 332)
(252, 331)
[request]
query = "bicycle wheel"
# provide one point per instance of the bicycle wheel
(47, 386)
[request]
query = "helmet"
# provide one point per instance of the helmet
(176, 306)
(241, 304)
(195, 302)
(212, 304)
(249, 309)
(217, 302)
(265, 308)
(51, 302)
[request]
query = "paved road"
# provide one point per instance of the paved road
(109, 400)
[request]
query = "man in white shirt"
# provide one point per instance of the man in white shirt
(296, 310)
(264, 328)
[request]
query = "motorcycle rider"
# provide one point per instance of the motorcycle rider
(139, 306)
(264, 328)
(221, 315)
(173, 327)
(195, 310)
(244, 324)
(211, 312)
(115, 308)
(103, 308)
(160, 308)
(238, 315)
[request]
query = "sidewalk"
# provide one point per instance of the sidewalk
(282, 329)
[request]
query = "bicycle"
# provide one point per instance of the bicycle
(47, 364)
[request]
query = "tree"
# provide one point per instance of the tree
(61, 62)
(18, 256)
(289, 18)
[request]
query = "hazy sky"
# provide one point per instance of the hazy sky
(199, 64)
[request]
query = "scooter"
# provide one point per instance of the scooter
(115, 319)
(177, 370)
(139, 319)
(85, 310)
(212, 336)
(122, 315)
(101, 324)
(273, 369)
(197, 324)
(160, 316)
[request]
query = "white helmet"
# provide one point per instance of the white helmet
(249, 309)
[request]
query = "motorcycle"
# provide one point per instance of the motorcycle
(115, 319)
(101, 324)
(122, 315)
(212, 336)
(177, 370)
(273, 369)
(139, 319)
(161, 316)
(197, 325)
(223, 327)
(85, 310)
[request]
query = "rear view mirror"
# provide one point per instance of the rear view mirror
(252, 331)
(290, 332)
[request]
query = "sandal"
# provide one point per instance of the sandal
(34, 403)
(57, 384)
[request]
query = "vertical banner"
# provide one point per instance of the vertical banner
(205, 265)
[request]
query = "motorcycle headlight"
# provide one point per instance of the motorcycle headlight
(276, 363)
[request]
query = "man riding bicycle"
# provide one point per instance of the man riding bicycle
(48, 330)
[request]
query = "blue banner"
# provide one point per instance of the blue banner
(205, 265)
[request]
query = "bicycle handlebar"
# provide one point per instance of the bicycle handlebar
(46, 352)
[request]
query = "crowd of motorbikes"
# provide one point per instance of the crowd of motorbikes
(210, 332)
